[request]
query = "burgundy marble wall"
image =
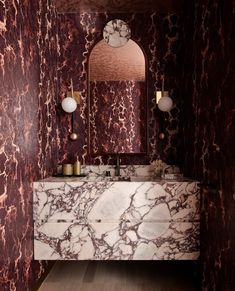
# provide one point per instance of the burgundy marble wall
(28, 49)
(209, 135)
(157, 35)
(118, 117)
(124, 6)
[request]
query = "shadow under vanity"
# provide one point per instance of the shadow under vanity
(95, 218)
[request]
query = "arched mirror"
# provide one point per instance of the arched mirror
(117, 99)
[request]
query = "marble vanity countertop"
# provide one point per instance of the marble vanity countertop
(136, 173)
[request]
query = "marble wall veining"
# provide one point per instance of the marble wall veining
(124, 6)
(158, 36)
(34, 129)
(28, 49)
(209, 120)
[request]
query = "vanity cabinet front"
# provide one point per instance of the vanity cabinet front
(80, 220)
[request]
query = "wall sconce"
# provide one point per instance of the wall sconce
(163, 100)
(69, 105)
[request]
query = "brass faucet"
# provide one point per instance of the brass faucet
(117, 167)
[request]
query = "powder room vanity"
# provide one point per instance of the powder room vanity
(95, 218)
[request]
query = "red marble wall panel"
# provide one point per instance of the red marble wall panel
(209, 135)
(28, 49)
(123, 128)
(158, 36)
(126, 6)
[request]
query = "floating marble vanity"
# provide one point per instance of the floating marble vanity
(93, 218)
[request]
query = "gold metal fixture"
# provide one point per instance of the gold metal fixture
(161, 135)
(77, 168)
(69, 105)
(73, 136)
(67, 169)
(163, 100)
(75, 95)
(158, 96)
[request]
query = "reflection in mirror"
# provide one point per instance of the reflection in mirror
(117, 94)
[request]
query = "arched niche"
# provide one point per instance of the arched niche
(117, 99)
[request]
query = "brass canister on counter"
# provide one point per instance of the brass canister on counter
(77, 168)
(67, 169)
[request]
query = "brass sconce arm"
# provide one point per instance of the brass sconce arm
(69, 105)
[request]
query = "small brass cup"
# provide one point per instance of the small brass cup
(67, 169)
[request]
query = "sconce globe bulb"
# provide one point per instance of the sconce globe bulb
(69, 104)
(73, 136)
(165, 104)
(161, 135)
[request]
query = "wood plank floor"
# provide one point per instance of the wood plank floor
(121, 276)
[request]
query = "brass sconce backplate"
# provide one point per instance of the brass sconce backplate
(158, 96)
(76, 95)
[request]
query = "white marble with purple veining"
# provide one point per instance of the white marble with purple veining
(98, 219)
(116, 33)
